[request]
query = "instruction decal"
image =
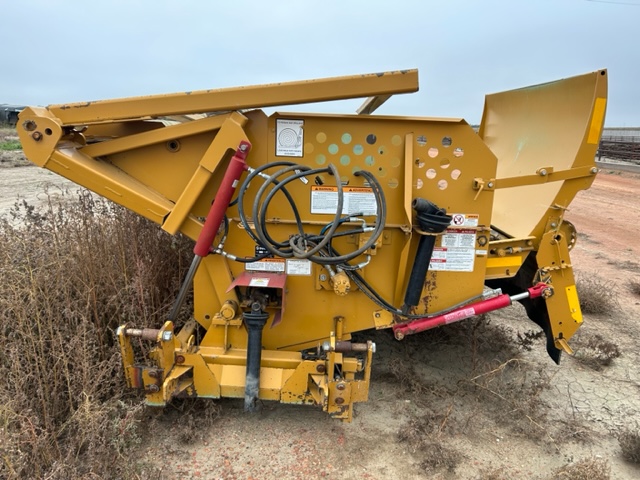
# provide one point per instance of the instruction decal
(297, 266)
(289, 137)
(456, 252)
(324, 200)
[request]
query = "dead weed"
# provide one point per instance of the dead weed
(586, 469)
(423, 437)
(597, 296)
(595, 352)
(629, 441)
(634, 287)
(71, 273)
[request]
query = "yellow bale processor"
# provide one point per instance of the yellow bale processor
(310, 227)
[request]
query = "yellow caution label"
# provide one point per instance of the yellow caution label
(597, 120)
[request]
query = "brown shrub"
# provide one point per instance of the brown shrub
(596, 352)
(72, 272)
(586, 469)
(630, 444)
(597, 296)
(423, 438)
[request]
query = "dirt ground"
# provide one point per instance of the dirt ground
(475, 400)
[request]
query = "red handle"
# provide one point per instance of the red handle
(237, 165)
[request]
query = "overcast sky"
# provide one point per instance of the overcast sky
(64, 51)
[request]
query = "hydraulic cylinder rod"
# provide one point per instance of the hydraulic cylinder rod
(485, 306)
(221, 201)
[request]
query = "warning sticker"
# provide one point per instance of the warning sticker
(457, 237)
(259, 282)
(289, 137)
(464, 219)
(452, 259)
(266, 265)
(324, 200)
(297, 266)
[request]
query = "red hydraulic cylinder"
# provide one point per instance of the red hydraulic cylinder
(485, 306)
(222, 200)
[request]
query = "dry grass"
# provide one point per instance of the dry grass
(586, 469)
(71, 274)
(595, 351)
(597, 296)
(423, 436)
(629, 441)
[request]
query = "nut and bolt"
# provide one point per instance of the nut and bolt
(321, 368)
(341, 386)
(323, 277)
(153, 388)
(37, 136)
(153, 374)
(180, 358)
(339, 401)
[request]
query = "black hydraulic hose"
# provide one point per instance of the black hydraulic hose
(377, 231)
(243, 189)
(304, 245)
(434, 220)
(260, 220)
(299, 243)
(255, 322)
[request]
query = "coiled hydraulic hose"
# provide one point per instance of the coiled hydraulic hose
(260, 211)
(313, 247)
(243, 188)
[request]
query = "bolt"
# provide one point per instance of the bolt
(153, 374)
(543, 172)
(321, 368)
(377, 315)
(373, 347)
(399, 335)
(323, 277)
(326, 346)
(554, 224)
(339, 401)
(594, 170)
(341, 386)
(37, 136)
(153, 388)
(166, 336)
(180, 358)
(490, 184)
